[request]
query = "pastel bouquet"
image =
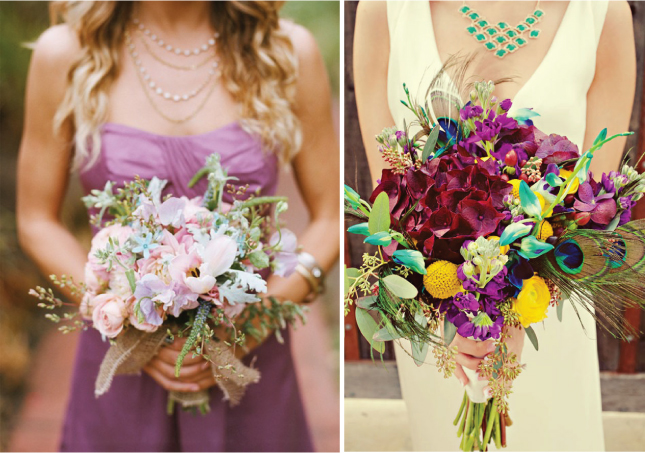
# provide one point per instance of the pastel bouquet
(481, 223)
(167, 267)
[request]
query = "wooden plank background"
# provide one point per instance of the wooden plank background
(357, 176)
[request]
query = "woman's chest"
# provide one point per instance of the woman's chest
(458, 34)
(165, 100)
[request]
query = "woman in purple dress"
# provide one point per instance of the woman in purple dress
(150, 89)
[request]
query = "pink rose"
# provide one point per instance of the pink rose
(109, 314)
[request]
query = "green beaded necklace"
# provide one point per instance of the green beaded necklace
(502, 39)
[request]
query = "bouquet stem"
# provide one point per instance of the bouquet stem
(479, 424)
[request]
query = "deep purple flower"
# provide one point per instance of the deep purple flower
(555, 149)
(470, 111)
(601, 207)
(481, 216)
(466, 301)
(505, 105)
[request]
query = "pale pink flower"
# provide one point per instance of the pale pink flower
(109, 314)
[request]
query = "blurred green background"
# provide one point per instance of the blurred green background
(21, 324)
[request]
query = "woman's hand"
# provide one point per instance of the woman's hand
(470, 353)
(195, 374)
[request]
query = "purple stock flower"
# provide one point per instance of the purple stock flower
(505, 105)
(470, 111)
(466, 301)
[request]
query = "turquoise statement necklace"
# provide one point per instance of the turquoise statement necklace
(501, 38)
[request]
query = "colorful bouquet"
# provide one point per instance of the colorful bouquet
(481, 223)
(169, 267)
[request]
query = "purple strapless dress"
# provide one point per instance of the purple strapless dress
(132, 415)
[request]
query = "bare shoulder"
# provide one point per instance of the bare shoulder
(57, 48)
(303, 41)
(618, 29)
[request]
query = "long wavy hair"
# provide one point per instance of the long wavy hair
(257, 61)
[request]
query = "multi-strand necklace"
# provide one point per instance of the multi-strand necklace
(502, 38)
(151, 86)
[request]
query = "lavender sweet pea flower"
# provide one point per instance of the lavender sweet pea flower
(147, 288)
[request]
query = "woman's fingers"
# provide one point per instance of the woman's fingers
(467, 361)
(169, 355)
(187, 373)
(472, 347)
(206, 382)
(461, 375)
(170, 384)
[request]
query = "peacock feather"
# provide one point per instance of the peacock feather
(601, 272)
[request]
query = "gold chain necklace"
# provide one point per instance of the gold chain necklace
(171, 65)
(501, 38)
(156, 108)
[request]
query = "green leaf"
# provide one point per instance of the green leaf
(130, 276)
(554, 180)
(532, 248)
(559, 308)
(259, 259)
(419, 352)
(449, 332)
(398, 237)
(529, 201)
(351, 273)
(382, 238)
(387, 333)
(531, 334)
(359, 228)
(400, 287)
(431, 142)
(366, 302)
(352, 197)
(368, 328)
(380, 215)
(601, 136)
(512, 232)
(412, 259)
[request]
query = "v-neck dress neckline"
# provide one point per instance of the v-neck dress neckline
(543, 66)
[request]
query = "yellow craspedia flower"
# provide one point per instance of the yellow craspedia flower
(545, 232)
(532, 302)
(441, 280)
(576, 182)
(503, 249)
(516, 187)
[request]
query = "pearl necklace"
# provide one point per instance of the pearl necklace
(501, 38)
(145, 76)
(170, 48)
(172, 65)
